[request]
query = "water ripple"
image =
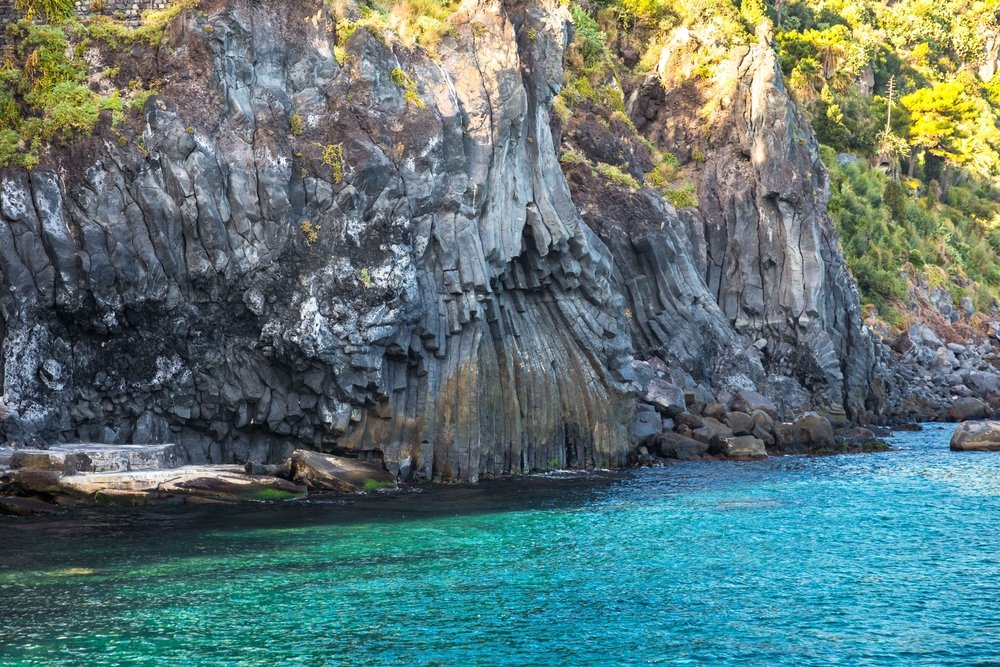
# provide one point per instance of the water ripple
(877, 559)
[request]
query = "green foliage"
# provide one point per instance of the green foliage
(150, 31)
(9, 146)
(403, 80)
(683, 197)
(943, 126)
(943, 118)
(366, 277)
(421, 23)
(664, 172)
(375, 485)
(885, 234)
(271, 495)
(53, 11)
(310, 231)
(296, 124)
(573, 156)
(333, 157)
(44, 96)
(617, 176)
(588, 36)
(927, 49)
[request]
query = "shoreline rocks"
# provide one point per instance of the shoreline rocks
(976, 436)
(36, 481)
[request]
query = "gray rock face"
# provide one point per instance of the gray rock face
(764, 244)
(414, 285)
(427, 292)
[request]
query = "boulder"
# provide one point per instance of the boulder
(763, 420)
(674, 446)
(968, 407)
(747, 400)
(761, 434)
(740, 422)
(809, 432)
(232, 487)
(94, 457)
(645, 424)
(717, 428)
(14, 506)
(814, 429)
(665, 397)
(336, 473)
(715, 410)
(703, 435)
(976, 436)
(982, 382)
(859, 439)
(692, 421)
(739, 447)
(283, 470)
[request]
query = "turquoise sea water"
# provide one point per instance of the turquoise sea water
(880, 559)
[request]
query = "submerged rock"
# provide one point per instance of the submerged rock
(976, 436)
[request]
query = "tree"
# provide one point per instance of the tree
(940, 118)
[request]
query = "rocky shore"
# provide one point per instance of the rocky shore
(320, 239)
(43, 480)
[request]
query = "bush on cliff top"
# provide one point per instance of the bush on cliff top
(887, 236)
(45, 95)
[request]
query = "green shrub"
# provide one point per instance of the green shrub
(403, 80)
(53, 11)
(683, 197)
(573, 156)
(333, 157)
(375, 485)
(663, 172)
(617, 176)
(588, 37)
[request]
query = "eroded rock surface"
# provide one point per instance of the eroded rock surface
(411, 281)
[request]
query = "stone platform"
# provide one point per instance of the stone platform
(94, 458)
(69, 475)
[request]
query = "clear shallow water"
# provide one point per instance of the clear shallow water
(888, 558)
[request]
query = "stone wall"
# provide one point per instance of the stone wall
(129, 11)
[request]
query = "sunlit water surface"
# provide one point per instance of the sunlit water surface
(889, 558)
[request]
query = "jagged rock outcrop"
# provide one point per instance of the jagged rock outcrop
(423, 292)
(408, 277)
(764, 245)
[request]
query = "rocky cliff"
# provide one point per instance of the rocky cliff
(379, 254)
